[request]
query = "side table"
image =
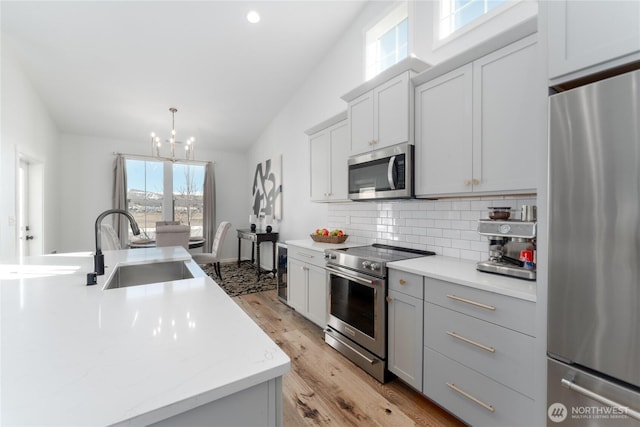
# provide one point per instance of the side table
(256, 237)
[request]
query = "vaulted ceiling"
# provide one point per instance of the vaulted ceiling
(113, 68)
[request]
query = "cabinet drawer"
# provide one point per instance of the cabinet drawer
(512, 313)
(308, 256)
(474, 398)
(406, 283)
(499, 353)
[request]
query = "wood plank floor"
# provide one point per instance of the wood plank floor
(325, 388)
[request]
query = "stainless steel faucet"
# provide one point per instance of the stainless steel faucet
(98, 258)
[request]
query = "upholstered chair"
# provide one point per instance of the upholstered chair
(109, 238)
(173, 235)
(216, 249)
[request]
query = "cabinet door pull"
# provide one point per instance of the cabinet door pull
(472, 342)
(467, 183)
(470, 397)
(305, 255)
(475, 181)
(468, 301)
(389, 298)
(402, 282)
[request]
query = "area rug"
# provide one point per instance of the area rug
(241, 280)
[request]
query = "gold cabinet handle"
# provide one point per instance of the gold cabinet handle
(472, 342)
(475, 181)
(468, 301)
(467, 182)
(402, 282)
(389, 298)
(470, 397)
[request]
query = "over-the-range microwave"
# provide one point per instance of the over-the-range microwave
(386, 173)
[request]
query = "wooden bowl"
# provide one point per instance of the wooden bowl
(329, 239)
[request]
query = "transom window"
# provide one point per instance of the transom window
(455, 14)
(160, 190)
(387, 42)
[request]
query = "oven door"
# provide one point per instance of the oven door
(357, 308)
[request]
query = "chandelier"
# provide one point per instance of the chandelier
(188, 144)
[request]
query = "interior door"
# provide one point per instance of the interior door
(24, 238)
(29, 206)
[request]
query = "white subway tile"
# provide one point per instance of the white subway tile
(455, 253)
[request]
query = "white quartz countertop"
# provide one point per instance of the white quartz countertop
(463, 272)
(73, 354)
(320, 247)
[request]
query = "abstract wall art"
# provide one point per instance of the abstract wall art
(266, 196)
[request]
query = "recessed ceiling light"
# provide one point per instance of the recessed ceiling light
(253, 17)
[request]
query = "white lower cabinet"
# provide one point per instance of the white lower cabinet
(469, 350)
(404, 326)
(478, 354)
(307, 284)
(472, 396)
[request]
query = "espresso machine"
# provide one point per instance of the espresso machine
(512, 243)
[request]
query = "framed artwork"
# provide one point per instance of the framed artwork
(266, 196)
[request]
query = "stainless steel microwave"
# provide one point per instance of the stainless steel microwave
(386, 173)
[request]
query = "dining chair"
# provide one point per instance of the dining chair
(216, 249)
(173, 235)
(109, 238)
(163, 223)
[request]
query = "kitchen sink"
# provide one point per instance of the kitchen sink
(144, 274)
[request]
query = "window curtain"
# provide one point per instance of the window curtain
(208, 209)
(120, 222)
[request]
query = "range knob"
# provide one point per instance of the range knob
(330, 256)
(375, 266)
(366, 265)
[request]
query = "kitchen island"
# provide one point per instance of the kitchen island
(174, 353)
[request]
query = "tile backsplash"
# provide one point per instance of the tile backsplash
(447, 227)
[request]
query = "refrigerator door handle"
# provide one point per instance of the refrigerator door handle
(599, 398)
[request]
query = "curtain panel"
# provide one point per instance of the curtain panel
(209, 210)
(120, 222)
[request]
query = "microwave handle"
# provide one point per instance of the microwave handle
(392, 163)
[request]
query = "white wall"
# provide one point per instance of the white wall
(86, 167)
(28, 129)
(318, 98)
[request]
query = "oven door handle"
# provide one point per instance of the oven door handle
(390, 177)
(349, 277)
(371, 361)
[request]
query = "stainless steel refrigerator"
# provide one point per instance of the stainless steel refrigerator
(593, 376)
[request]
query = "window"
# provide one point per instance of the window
(165, 191)
(387, 42)
(455, 14)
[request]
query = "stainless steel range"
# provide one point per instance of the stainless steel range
(357, 279)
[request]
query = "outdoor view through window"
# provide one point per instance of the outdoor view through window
(165, 191)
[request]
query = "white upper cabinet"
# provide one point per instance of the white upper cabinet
(509, 99)
(380, 118)
(444, 139)
(586, 37)
(328, 152)
(381, 110)
(478, 126)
